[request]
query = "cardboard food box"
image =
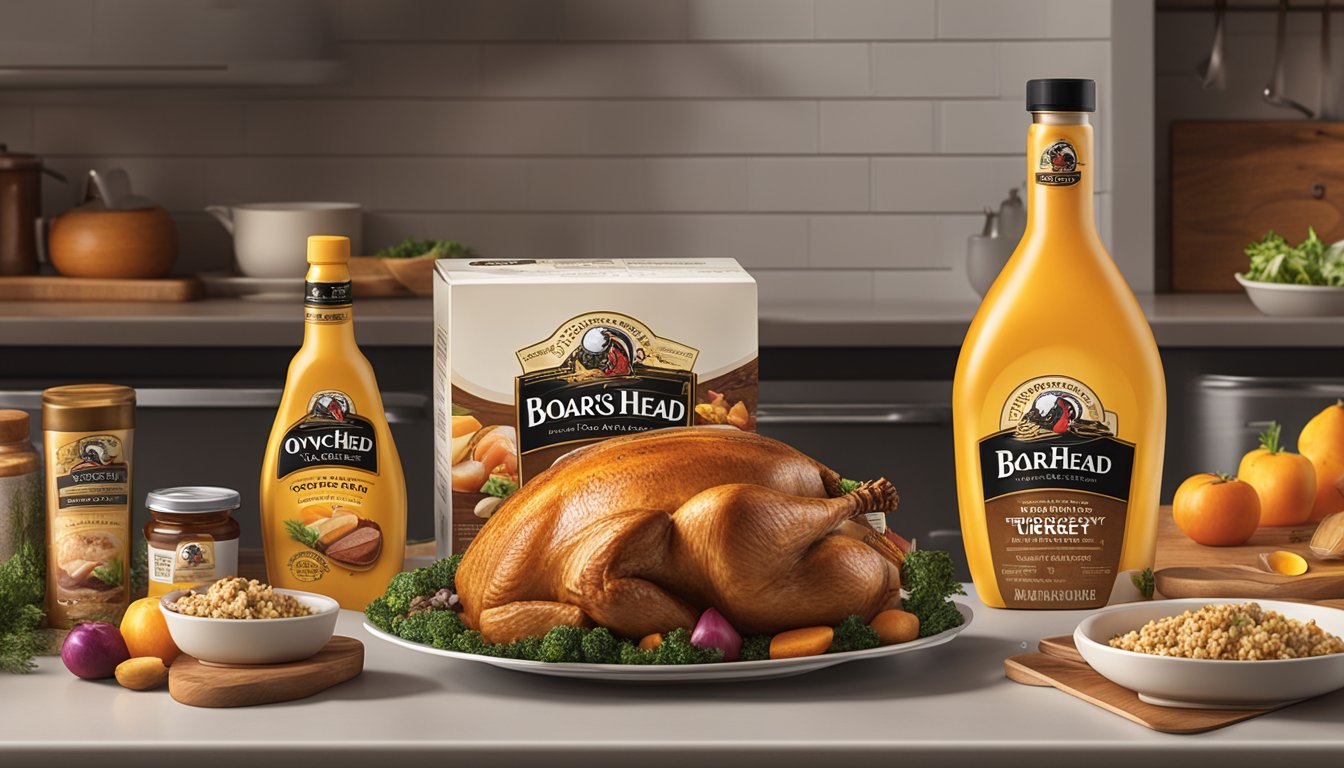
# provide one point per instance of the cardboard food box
(536, 358)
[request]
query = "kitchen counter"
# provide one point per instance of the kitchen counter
(950, 704)
(1178, 320)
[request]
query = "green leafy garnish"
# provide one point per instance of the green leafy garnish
(849, 486)
(112, 573)
(931, 579)
(1144, 582)
(302, 533)
(438, 249)
(1311, 262)
(499, 485)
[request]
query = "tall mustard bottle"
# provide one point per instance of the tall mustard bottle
(1059, 402)
(333, 497)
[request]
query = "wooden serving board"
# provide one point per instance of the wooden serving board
(1186, 569)
(193, 682)
(56, 288)
(1233, 181)
(1059, 665)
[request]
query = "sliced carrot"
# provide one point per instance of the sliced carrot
(808, 641)
(649, 642)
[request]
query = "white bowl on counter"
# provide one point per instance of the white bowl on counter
(1170, 681)
(1289, 300)
(253, 641)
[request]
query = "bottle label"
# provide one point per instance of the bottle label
(600, 375)
(329, 462)
(88, 525)
(1059, 165)
(1056, 484)
(194, 561)
(330, 434)
(326, 294)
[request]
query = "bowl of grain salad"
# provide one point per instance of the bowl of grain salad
(243, 621)
(1217, 653)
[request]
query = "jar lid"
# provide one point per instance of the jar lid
(13, 426)
(18, 161)
(192, 499)
(88, 407)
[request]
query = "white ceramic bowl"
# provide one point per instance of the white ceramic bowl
(1206, 683)
(254, 641)
(1288, 300)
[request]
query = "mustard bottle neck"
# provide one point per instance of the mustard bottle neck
(327, 307)
(1060, 171)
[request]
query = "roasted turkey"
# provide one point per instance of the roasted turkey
(640, 534)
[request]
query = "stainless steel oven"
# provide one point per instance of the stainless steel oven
(901, 430)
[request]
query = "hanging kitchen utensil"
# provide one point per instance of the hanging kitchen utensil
(1274, 95)
(1325, 110)
(1211, 73)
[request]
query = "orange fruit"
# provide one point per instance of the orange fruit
(1285, 482)
(1322, 441)
(146, 632)
(1216, 510)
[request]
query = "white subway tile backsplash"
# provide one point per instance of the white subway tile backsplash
(586, 185)
(181, 128)
(983, 127)
(703, 127)
(493, 235)
(511, 127)
(943, 184)
(1078, 18)
(341, 128)
(646, 70)
(16, 128)
(798, 285)
(876, 19)
(874, 242)
(285, 179)
(934, 70)
(750, 19)
(696, 184)
(809, 184)
(841, 149)
(449, 184)
(625, 19)
(877, 127)
(776, 240)
(812, 69)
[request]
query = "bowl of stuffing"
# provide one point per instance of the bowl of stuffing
(1217, 653)
(242, 621)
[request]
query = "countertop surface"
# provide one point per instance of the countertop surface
(949, 704)
(1178, 320)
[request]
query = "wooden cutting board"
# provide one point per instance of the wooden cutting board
(1059, 665)
(1186, 569)
(56, 288)
(1233, 181)
(199, 684)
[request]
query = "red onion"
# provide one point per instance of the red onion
(714, 631)
(93, 650)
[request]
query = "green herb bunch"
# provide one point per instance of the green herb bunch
(1311, 262)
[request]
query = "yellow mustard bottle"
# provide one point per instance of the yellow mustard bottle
(333, 497)
(1059, 401)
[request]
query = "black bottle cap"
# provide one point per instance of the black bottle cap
(1062, 94)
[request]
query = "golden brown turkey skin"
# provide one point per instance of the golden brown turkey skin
(641, 533)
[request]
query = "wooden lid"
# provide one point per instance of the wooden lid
(13, 426)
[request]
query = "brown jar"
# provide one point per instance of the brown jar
(192, 537)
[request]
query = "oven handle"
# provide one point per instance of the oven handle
(850, 413)
(400, 407)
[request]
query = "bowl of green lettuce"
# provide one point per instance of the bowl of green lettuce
(1306, 280)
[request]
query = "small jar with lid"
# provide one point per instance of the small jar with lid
(21, 514)
(192, 537)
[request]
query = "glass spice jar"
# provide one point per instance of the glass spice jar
(192, 537)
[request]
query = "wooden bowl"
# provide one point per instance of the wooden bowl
(118, 245)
